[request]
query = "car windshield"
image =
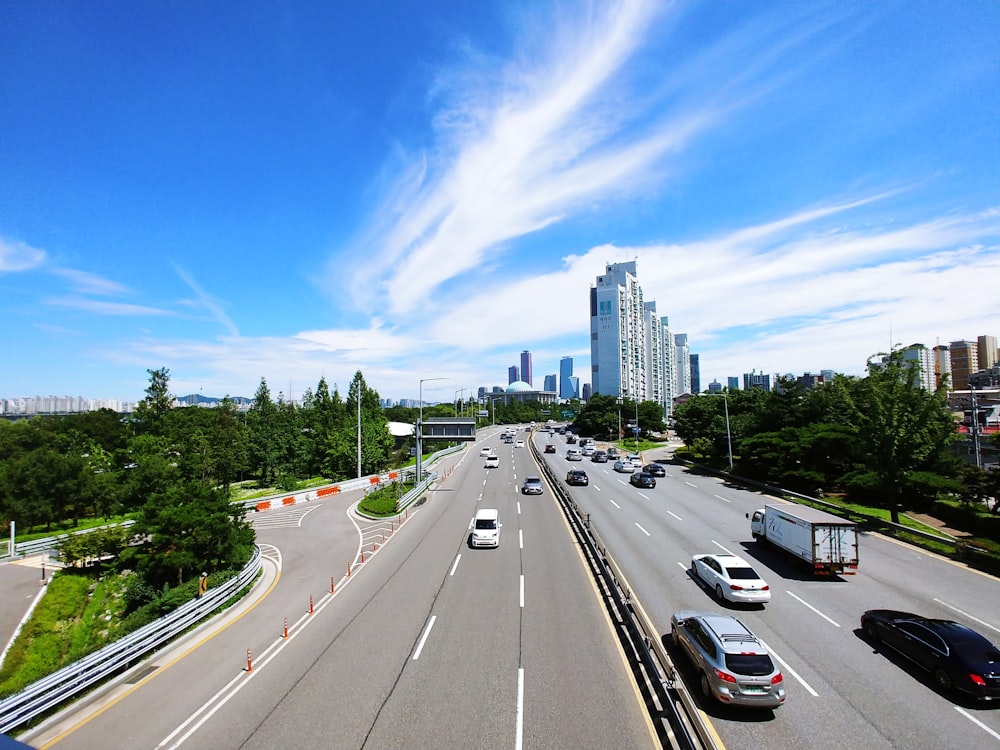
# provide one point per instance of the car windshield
(752, 665)
(486, 523)
(742, 574)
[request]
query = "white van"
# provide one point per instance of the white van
(486, 528)
(493, 462)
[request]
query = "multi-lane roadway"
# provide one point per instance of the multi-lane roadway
(842, 692)
(428, 643)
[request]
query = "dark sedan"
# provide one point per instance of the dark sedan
(957, 656)
(643, 479)
(549, 448)
(655, 469)
(577, 476)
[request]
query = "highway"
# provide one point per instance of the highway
(841, 691)
(428, 643)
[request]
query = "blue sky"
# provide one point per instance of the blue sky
(416, 190)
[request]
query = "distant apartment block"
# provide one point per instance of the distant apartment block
(585, 392)
(694, 361)
(757, 380)
(550, 383)
(924, 360)
(986, 350)
(964, 361)
(618, 348)
(733, 383)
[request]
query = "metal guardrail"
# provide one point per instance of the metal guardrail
(71, 680)
(687, 730)
(52, 542)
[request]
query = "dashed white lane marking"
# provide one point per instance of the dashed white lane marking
(642, 529)
(423, 638)
(522, 592)
(675, 515)
(966, 614)
(721, 498)
(455, 565)
(807, 604)
(614, 503)
(690, 484)
(791, 671)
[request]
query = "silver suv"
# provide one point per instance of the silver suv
(733, 665)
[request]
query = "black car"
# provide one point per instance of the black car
(642, 479)
(549, 448)
(655, 469)
(577, 476)
(957, 656)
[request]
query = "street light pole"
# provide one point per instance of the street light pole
(729, 437)
(420, 427)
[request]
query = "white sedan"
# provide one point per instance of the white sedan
(624, 466)
(731, 578)
(519, 444)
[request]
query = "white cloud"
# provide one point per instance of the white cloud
(19, 256)
(90, 283)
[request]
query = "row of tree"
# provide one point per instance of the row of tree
(881, 439)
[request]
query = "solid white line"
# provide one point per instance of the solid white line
(642, 529)
(423, 638)
(791, 671)
(689, 484)
(455, 565)
(522, 591)
(722, 498)
(519, 732)
(966, 614)
(801, 601)
(977, 722)
(614, 503)
(520, 538)
(675, 515)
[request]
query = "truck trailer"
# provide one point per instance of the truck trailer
(827, 543)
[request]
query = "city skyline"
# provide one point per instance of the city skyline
(435, 191)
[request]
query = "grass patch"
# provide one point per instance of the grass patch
(381, 502)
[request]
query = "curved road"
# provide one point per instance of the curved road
(428, 643)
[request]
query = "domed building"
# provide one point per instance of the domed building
(521, 391)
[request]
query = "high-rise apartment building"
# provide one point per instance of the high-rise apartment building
(682, 358)
(942, 366)
(669, 353)
(565, 373)
(695, 373)
(756, 379)
(924, 359)
(513, 374)
(526, 367)
(986, 352)
(733, 383)
(964, 362)
(618, 348)
(654, 353)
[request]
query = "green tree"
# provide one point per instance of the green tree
(263, 441)
(189, 529)
(904, 432)
(151, 412)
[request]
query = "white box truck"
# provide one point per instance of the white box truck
(825, 542)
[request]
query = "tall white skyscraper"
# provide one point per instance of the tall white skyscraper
(682, 359)
(618, 348)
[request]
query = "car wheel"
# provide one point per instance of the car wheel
(871, 631)
(706, 688)
(718, 592)
(943, 679)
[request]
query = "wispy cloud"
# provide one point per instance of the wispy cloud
(19, 256)
(90, 283)
(101, 307)
(207, 302)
